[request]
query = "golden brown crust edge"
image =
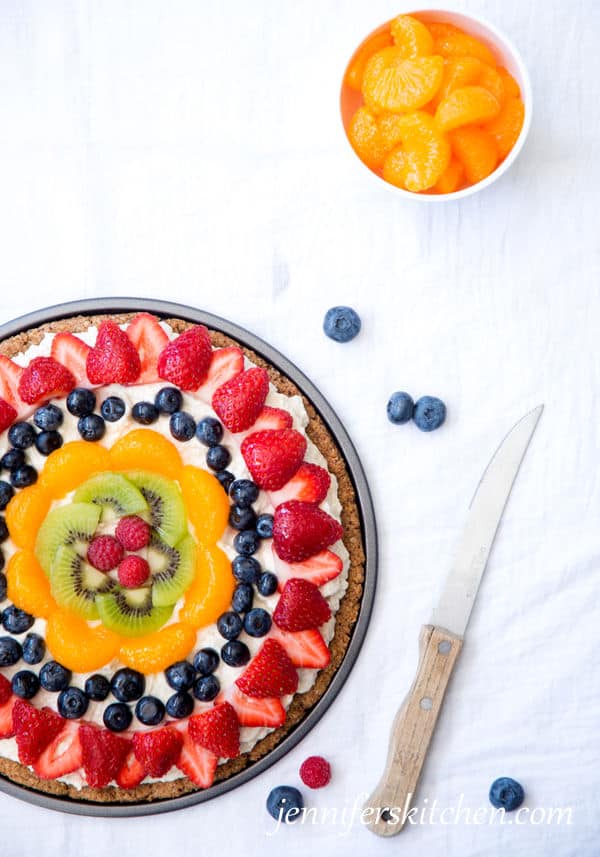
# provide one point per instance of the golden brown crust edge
(346, 615)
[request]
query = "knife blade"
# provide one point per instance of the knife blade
(440, 642)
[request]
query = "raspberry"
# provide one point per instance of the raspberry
(133, 533)
(133, 571)
(104, 553)
(315, 772)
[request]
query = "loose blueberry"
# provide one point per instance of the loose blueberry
(112, 409)
(168, 400)
(267, 583)
(6, 493)
(149, 710)
(180, 676)
(506, 793)
(34, 649)
(182, 426)
(81, 402)
(206, 661)
(97, 687)
(10, 651)
(235, 653)
(225, 477)
(21, 435)
(229, 625)
(218, 457)
(11, 459)
(209, 431)
(180, 705)
(54, 677)
(145, 413)
(284, 803)
(243, 493)
(206, 688)
(246, 569)
(22, 477)
(3, 581)
(341, 323)
(72, 703)
(264, 526)
(91, 427)
(243, 595)
(400, 408)
(25, 684)
(257, 622)
(3, 530)
(127, 685)
(48, 418)
(429, 413)
(117, 717)
(242, 519)
(247, 542)
(16, 621)
(47, 441)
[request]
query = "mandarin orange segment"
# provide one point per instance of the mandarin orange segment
(391, 130)
(210, 593)
(76, 645)
(476, 150)
(411, 37)
(491, 80)
(364, 136)
(440, 29)
(506, 126)
(394, 83)
(144, 449)
(155, 652)
(28, 586)
(423, 157)
(25, 513)
(356, 69)
(467, 105)
(451, 179)
(72, 464)
(206, 503)
(511, 87)
(459, 44)
(458, 71)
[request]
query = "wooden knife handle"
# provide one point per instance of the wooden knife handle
(412, 730)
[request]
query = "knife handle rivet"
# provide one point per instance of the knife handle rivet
(426, 703)
(444, 647)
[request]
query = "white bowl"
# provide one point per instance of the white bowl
(510, 58)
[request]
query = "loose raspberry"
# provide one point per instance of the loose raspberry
(185, 361)
(315, 772)
(133, 571)
(272, 457)
(44, 378)
(114, 358)
(8, 415)
(104, 553)
(133, 533)
(239, 401)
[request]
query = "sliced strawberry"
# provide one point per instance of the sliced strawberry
(62, 756)
(72, 352)
(217, 730)
(310, 483)
(113, 359)
(319, 569)
(226, 364)
(10, 375)
(5, 689)
(271, 419)
(239, 401)
(132, 773)
(301, 530)
(185, 361)
(272, 457)
(269, 673)
(196, 762)
(44, 378)
(8, 415)
(257, 712)
(34, 729)
(300, 606)
(104, 754)
(7, 729)
(157, 751)
(149, 339)
(304, 648)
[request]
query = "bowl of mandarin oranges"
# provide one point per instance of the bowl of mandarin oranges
(436, 103)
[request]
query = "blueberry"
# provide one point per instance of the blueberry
(235, 653)
(243, 493)
(6, 492)
(267, 583)
(91, 427)
(145, 413)
(218, 457)
(180, 676)
(341, 323)
(117, 717)
(54, 677)
(180, 705)
(229, 625)
(127, 685)
(21, 435)
(25, 684)
(22, 477)
(16, 621)
(10, 651)
(242, 519)
(48, 418)
(506, 793)
(3, 581)
(182, 426)
(72, 703)
(168, 400)
(264, 526)
(225, 478)
(284, 803)
(34, 649)
(243, 595)
(112, 409)
(81, 402)
(149, 710)
(209, 431)
(97, 687)
(3, 530)
(257, 622)
(206, 661)
(47, 441)
(429, 413)
(13, 458)
(400, 408)
(206, 688)
(247, 542)
(246, 569)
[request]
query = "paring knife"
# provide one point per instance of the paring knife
(440, 642)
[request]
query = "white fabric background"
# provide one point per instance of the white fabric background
(193, 151)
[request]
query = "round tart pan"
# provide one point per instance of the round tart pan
(166, 310)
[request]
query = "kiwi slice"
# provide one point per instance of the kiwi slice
(114, 494)
(173, 569)
(167, 512)
(131, 612)
(75, 583)
(72, 525)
